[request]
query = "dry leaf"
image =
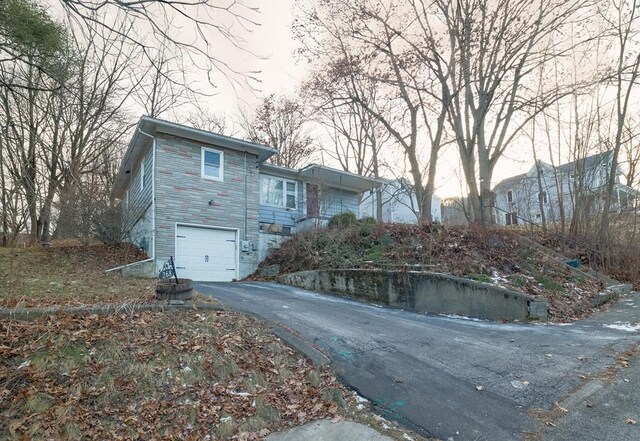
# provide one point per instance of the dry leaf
(560, 408)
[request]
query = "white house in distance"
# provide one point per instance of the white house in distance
(517, 199)
(399, 203)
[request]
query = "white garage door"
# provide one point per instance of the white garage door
(206, 254)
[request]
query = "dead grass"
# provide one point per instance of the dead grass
(180, 375)
(68, 275)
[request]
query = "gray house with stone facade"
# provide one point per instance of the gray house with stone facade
(214, 203)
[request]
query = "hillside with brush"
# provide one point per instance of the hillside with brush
(495, 256)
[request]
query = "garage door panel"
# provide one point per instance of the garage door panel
(206, 254)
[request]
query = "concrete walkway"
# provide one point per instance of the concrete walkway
(325, 430)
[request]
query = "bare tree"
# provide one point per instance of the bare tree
(369, 41)
(203, 119)
(631, 143)
(193, 30)
(623, 18)
(356, 137)
(483, 52)
(280, 122)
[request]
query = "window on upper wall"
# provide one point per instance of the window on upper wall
(509, 196)
(212, 164)
(542, 197)
(278, 192)
(142, 180)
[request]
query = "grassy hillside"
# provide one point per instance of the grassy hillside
(69, 275)
(495, 256)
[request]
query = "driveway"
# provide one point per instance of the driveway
(425, 371)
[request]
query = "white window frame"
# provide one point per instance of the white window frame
(284, 192)
(142, 175)
(202, 155)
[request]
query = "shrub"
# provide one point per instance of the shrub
(346, 219)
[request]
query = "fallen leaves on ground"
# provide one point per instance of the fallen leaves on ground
(69, 276)
(153, 375)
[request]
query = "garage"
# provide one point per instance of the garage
(206, 254)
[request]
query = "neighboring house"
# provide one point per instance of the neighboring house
(579, 184)
(212, 202)
(399, 203)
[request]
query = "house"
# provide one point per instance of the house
(399, 203)
(214, 204)
(544, 190)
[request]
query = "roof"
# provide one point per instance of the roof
(327, 175)
(569, 167)
(148, 127)
(508, 183)
(586, 163)
(339, 178)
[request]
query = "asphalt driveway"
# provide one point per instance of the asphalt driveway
(448, 377)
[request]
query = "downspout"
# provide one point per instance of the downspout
(245, 197)
(153, 207)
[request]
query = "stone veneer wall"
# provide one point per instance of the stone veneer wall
(183, 196)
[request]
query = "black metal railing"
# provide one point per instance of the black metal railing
(168, 270)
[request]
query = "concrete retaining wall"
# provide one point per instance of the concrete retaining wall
(424, 292)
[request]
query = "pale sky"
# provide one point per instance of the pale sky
(270, 51)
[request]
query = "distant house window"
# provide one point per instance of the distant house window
(212, 164)
(511, 219)
(126, 199)
(278, 192)
(510, 196)
(542, 197)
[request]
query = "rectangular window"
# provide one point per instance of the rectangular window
(212, 164)
(142, 175)
(278, 192)
(510, 196)
(542, 197)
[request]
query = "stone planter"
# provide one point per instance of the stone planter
(168, 289)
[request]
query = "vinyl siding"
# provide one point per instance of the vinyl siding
(136, 219)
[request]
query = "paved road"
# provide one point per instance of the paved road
(422, 370)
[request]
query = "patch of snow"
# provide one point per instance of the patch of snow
(624, 326)
(239, 394)
(460, 317)
(186, 369)
(496, 278)
(407, 437)
(385, 426)
(360, 399)
(225, 419)
(519, 384)
(25, 364)
(285, 306)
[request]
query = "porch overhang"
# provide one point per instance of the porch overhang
(338, 178)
